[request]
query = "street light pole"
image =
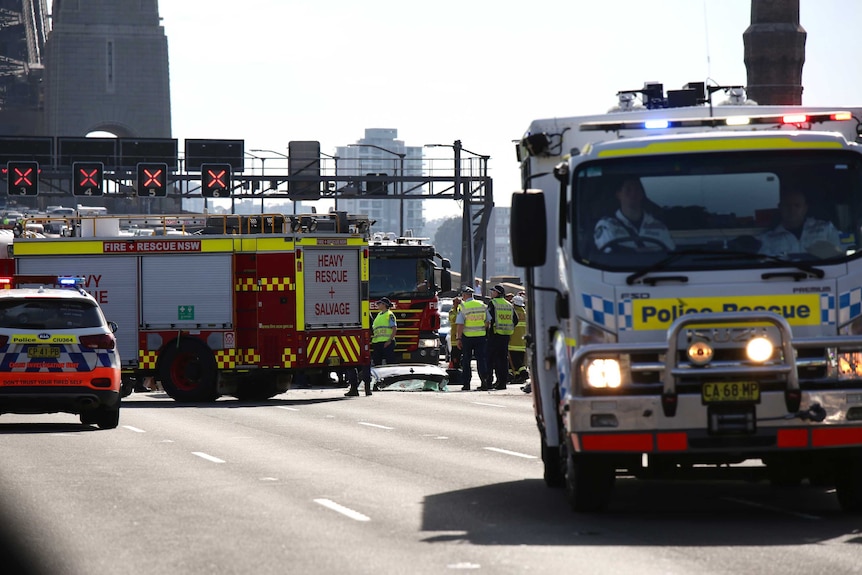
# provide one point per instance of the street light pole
(401, 157)
(262, 174)
(335, 191)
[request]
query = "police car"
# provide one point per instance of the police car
(57, 353)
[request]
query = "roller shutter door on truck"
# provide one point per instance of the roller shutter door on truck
(112, 280)
(187, 291)
(332, 288)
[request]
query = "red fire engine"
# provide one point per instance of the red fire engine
(404, 270)
(241, 308)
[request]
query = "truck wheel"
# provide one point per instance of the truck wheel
(188, 371)
(589, 482)
(127, 385)
(554, 460)
(848, 484)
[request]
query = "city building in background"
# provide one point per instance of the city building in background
(381, 153)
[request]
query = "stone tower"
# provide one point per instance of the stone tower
(106, 69)
(774, 52)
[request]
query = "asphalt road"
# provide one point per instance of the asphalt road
(400, 482)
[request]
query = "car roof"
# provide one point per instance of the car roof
(44, 293)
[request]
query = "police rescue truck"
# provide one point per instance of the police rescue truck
(242, 308)
(694, 277)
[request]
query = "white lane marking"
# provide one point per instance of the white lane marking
(203, 455)
(286, 407)
(488, 404)
(375, 425)
(135, 429)
(507, 452)
(772, 508)
(329, 504)
(464, 565)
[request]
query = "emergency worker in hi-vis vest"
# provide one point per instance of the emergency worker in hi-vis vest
(383, 333)
(500, 322)
(470, 339)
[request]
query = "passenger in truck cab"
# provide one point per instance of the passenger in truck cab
(631, 226)
(797, 232)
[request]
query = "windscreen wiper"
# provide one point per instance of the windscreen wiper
(809, 271)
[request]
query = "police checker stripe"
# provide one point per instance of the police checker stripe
(649, 314)
(849, 305)
(322, 348)
(68, 360)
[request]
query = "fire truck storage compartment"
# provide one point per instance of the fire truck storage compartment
(112, 280)
(332, 287)
(185, 292)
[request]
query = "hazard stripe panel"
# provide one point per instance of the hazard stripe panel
(346, 348)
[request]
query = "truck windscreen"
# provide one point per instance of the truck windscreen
(718, 210)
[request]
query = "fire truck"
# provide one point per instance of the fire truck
(716, 330)
(240, 308)
(404, 270)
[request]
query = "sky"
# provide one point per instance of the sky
(479, 71)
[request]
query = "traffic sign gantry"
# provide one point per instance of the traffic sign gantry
(88, 178)
(215, 180)
(152, 180)
(22, 178)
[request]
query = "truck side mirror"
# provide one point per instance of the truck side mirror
(528, 231)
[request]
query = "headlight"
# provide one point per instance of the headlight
(429, 343)
(759, 349)
(602, 373)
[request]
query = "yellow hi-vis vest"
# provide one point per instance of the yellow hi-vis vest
(474, 318)
(381, 326)
(516, 341)
(504, 323)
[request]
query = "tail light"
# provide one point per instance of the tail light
(100, 341)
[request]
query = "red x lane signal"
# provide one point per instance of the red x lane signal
(22, 178)
(88, 178)
(152, 180)
(215, 180)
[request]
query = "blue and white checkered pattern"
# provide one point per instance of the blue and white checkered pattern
(849, 305)
(827, 309)
(600, 310)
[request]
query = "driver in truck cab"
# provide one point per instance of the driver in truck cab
(797, 233)
(631, 226)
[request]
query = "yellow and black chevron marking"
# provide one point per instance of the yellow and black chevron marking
(288, 357)
(344, 347)
(225, 358)
(147, 359)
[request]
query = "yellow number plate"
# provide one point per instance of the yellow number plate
(730, 391)
(43, 351)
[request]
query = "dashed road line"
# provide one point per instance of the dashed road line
(488, 404)
(507, 452)
(286, 407)
(208, 457)
(347, 512)
(135, 429)
(375, 425)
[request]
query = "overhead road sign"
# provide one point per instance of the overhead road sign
(199, 152)
(101, 150)
(88, 178)
(22, 178)
(152, 180)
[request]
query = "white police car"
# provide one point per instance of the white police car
(58, 354)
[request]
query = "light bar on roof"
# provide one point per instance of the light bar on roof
(717, 122)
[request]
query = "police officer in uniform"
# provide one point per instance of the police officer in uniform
(797, 233)
(500, 324)
(470, 339)
(384, 329)
(631, 223)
